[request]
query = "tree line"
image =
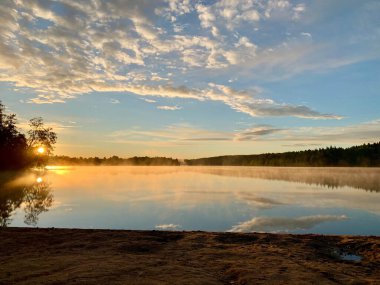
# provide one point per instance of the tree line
(367, 155)
(19, 150)
(114, 160)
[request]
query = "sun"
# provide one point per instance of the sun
(39, 180)
(41, 150)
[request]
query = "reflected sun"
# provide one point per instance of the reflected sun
(59, 169)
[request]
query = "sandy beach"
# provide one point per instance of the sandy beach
(78, 256)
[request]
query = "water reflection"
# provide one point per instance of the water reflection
(298, 200)
(29, 191)
(258, 202)
(332, 177)
(281, 224)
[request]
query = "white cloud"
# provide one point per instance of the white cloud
(62, 49)
(179, 133)
(180, 6)
(149, 100)
(233, 14)
(246, 102)
(299, 8)
(205, 16)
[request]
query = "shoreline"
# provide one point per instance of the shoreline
(101, 256)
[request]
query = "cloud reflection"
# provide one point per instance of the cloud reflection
(167, 227)
(209, 198)
(258, 202)
(280, 224)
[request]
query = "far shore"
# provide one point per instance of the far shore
(84, 256)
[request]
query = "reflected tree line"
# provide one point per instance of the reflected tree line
(367, 179)
(27, 191)
(367, 155)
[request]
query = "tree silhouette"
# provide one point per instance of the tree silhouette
(364, 155)
(18, 151)
(41, 136)
(13, 146)
(115, 160)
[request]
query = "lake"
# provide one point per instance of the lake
(236, 199)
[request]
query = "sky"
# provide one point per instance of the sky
(191, 79)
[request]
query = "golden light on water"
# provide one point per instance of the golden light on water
(59, 169)
(40, 150)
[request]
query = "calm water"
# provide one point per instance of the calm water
(241, 199)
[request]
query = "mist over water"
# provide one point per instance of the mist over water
(240, 199)
(331, 177)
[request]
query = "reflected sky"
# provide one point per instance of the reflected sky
(242, 199)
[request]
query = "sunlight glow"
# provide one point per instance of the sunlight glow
(59, 169)
(40, 150)
(39, 180)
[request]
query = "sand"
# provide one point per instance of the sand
(77, 256)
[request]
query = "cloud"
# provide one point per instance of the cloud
(150, 100)
(312, 136)
(180, 7)
(208, 139)
(61, 126)
(169, 108)
(178, 133)
(256, 132)
(356, 133)
(294, 137)
(62, 49)
(246, 102)
(280, 224)
(232, 15)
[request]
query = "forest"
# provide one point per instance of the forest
(367, 155)
(114, 160)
